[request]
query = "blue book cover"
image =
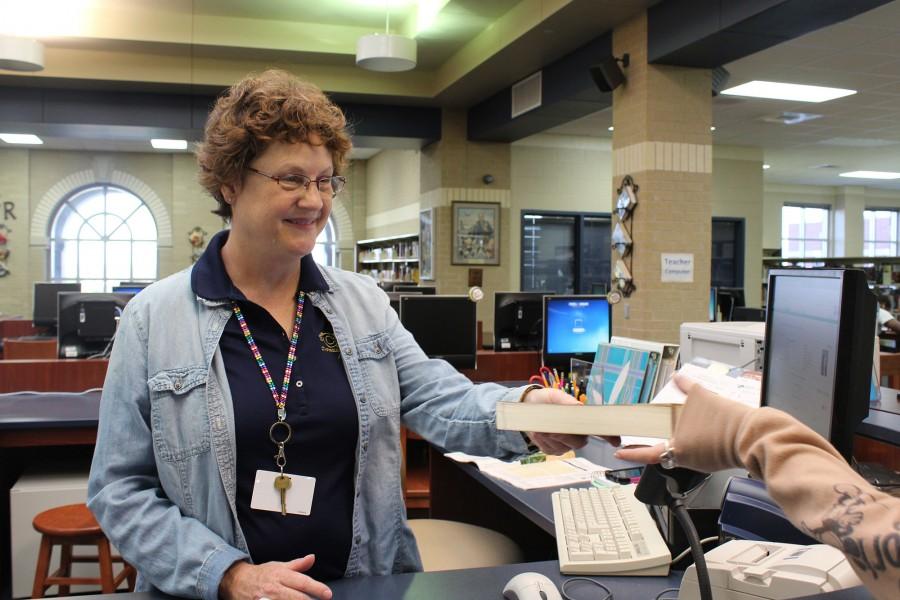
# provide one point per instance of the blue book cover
(618, 375)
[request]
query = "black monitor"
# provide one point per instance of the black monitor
(45, 302)
(424, 289)
(87, 322)
(444, 327)
(728, 298)
(518, 320)
(820, 336)
(573, 328)
(713, 305)
(394, 298)
(743, 313)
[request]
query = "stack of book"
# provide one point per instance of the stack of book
(630, 371)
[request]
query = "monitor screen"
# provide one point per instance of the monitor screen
(573, 328)
(416, 289)
(127, 289)
(443, 326)
(87, 322)
(394, 298)
(518, 320)
(713, 305)
(819, 350)
(45, 301)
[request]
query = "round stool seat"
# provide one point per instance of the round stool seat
(69, 520)
(446, 545)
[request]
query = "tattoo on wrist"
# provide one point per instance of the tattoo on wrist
(874, 556)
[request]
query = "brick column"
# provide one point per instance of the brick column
(662, 117)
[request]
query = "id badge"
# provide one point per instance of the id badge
(297, 499)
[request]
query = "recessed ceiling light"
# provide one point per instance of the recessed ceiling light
(610, 128)
(871, 175)
(20, 138)
(787, 91)
(712, 128)
(766, 167)
(161, 144)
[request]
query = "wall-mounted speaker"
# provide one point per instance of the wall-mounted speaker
(607, 74)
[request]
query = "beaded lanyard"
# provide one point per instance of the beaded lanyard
(280, 399)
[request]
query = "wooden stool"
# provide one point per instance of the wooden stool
(74, 525)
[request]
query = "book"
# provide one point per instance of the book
(662, 364)
(646, 420)
(617, 375)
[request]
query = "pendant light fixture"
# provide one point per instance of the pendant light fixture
(21, 54)
(385, 52)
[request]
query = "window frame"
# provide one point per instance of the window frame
(829, 227)
(54, 250)
(895, 242)
(739, 250)
(579, 225)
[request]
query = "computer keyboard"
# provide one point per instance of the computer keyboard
(607, 531)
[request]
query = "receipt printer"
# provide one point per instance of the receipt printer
(751, 570)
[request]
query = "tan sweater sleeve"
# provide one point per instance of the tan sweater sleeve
(804, 474)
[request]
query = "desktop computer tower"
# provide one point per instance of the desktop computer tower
(37, 490)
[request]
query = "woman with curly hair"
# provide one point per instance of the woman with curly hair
(249, 438)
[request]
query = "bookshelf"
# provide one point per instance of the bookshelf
(389, 259)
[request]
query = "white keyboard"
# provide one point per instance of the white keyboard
(607, 531)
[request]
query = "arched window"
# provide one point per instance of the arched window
(100, 236)
(326, 244)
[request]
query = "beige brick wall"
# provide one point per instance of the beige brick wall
(672, 106)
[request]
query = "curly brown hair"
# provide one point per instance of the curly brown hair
(260, 109)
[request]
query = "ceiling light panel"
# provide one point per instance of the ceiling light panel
(20, 138)
(871, 175)
(163, 144)
(774, 90)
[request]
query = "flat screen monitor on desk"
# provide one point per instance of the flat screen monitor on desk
(46, 299)
(728, 299)
(713, 304)
(573, 327)
(444, 327)
(518, 320)
(129, 287)
(819, 350)
(394, 298)
(87, 322)
(428, 290)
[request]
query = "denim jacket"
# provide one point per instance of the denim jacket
(162, 482)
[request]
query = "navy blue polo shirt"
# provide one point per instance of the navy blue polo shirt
(320, 409)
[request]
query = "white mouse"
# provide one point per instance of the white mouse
(531, 586)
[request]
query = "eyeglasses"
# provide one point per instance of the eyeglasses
(327, 186)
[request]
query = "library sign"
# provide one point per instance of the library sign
(678, 268)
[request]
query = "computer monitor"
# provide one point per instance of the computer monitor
(45, 302)
(87, 322)
(394, 298)
(423, 289)
(130, 287)
(573, 328)
(127, 289)
(728, 298)
(713, 305)
(819, 349)
(443, 326)
(518, 320)
(743, 313)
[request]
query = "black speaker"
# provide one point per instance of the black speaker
(607, 75)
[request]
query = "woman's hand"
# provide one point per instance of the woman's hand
(557, 443)
(649, 455)
(272, 580)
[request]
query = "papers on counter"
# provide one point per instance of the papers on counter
(554, 472)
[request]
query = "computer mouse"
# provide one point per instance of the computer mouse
(531, 586)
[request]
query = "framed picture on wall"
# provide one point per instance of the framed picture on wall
(426, 243)
(476, 233)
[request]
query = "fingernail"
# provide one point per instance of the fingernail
(617, 454)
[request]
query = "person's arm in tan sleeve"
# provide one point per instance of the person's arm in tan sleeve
(804, 474)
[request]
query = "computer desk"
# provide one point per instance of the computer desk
(486, 584)
(71, 420)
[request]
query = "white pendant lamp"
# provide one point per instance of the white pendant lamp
(385, 52)
(21, 54)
